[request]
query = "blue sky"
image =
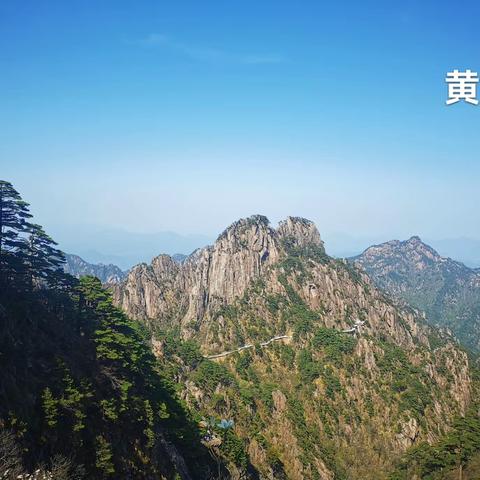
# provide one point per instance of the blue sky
(183, 116)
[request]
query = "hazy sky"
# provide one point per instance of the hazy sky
(184, 116)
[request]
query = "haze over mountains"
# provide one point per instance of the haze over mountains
(446, 290)
(78, 267)
(126, 249)
(123, 248)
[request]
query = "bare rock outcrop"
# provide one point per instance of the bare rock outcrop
(212, 276)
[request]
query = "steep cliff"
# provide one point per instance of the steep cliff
(318, 403)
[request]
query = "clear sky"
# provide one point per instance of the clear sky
(184, 116)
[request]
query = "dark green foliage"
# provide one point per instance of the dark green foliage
(446, 290)
(287, 355)
(274, 303)
(94, 380)
(310, 440)
(308, 369)
(234, 449)
(332, 383)
(242, 364)
(333, 343)
(303, 319)
(14, 216)
(246, 223)
(44, 260)
(408, 381)
(297, 313)
(265, 394)
(454, 450)
(296, 255)
(50, 408)
(104, 457)
(187, 350)
(77, 377)
(435, 340)
(209, 375)
(27, 254)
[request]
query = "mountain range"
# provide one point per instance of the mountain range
(267, 333)
(254, 330)
(121, 247)
(78, 267)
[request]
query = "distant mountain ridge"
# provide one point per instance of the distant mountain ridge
(446, 290)
(78, 267)
(124, 248)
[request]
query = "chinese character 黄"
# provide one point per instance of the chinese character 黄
(462, 86)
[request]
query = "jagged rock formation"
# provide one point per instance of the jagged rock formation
(447, 291)
(214, 276)
(78, 267)
(325, 405)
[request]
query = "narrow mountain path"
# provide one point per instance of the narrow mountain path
(247, 346)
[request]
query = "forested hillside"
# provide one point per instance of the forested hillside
(81, 396)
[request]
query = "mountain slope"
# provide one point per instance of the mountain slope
(81, 395)
(318, 404)
(446, 290)
(78, 267)
(77, 375)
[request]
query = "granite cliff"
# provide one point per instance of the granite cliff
(319, 403)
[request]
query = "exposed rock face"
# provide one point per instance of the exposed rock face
(446, 290)
(369, 397)
(300, 232)
(212, 276)
(78, 267)
(408, 434)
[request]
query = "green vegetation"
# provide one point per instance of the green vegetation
(81, 388)
(410, 383)
(77, 374)
(334, 344)
(446, 290)
(297, 255)
(456, 451)
(210, 374)
(27, 253)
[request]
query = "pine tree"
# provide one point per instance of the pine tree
(27, 254)
(45, 260)
(13, 223)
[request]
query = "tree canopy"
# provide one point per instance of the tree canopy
(81, 394)
(28, 256)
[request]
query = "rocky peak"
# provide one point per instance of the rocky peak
(164, 265)
(412, 250)
(299, 232)
(256, 283)
(415, 244)
(447, 291)
(415, 240)
(247, 233)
